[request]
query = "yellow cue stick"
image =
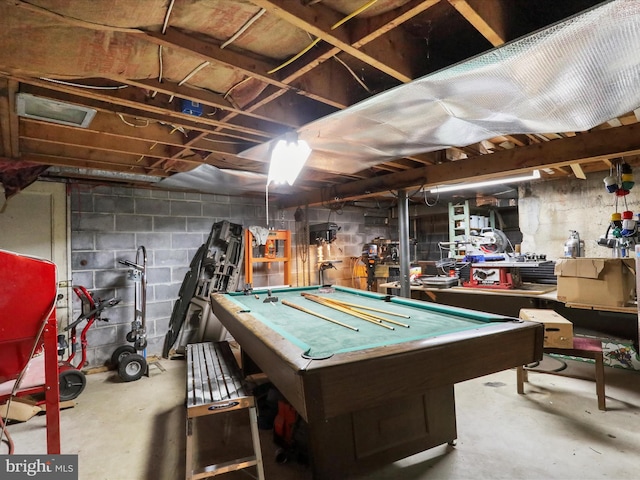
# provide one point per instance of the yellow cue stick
(379, 310)
(315, 314)
(342, 309)
(361, 309)
(375, 317)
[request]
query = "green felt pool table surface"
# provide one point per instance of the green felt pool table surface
(320, 338)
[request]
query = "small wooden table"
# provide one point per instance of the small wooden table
(582, 348)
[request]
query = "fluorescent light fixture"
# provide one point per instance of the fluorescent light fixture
(287, 159)
(464, 186)
(39, 108)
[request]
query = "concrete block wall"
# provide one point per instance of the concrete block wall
(109, 224)
(549, 210)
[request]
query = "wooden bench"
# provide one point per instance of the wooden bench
(216, 385)
(582, 348)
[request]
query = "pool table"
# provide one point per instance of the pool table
(371, 394)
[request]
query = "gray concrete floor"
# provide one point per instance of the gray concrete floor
(136, 431)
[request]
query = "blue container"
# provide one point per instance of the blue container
(191, 108)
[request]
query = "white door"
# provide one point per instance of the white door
(35, 222)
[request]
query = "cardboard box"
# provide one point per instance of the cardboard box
(596, 281)
(558, 331)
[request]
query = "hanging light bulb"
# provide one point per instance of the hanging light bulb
(287, 159)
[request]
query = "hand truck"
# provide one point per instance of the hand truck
(71, 378)
(131, 365)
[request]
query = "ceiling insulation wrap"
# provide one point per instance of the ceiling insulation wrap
(206, 178)
(567, 78)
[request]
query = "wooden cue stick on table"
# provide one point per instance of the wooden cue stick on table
(360, 309)
(377, 317)
(342, 309)
(379, 310)
(315, 314)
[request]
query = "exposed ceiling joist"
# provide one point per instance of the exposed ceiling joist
(249, 90)
(486, 16)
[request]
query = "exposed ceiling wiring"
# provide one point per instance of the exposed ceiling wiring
(235, 86)
(191, 74)
(132, 124)
(353, 14)
(79, 85)
(160, 69)
(166, 17)
(353, 74)
(296, 56)
(430, 204)
(317, 40)
(244, 27)
(164, 30)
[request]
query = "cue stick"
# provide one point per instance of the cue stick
(375, 317)
(379, 310)
(360, 309)
(311, 312)
(342, 309)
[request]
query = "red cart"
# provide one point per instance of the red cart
(28, 335)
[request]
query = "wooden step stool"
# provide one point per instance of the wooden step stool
(216, 385)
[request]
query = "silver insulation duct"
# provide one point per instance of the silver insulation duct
(206, 178)
(569, 77)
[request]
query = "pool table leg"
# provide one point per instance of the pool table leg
(521, 377)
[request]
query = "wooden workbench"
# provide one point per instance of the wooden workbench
(621, 322)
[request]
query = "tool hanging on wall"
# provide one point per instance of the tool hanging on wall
(369, 257)
(622, 233)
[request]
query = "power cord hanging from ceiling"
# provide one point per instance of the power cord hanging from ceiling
(301, 242)
(334, 205)
(424, 194)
